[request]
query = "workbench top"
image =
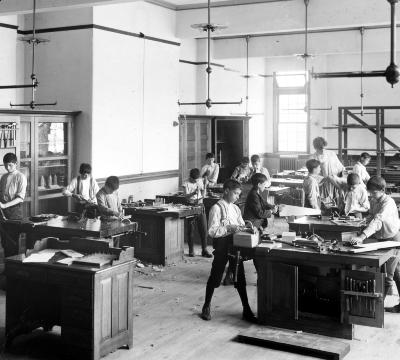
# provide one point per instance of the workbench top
(325, 224)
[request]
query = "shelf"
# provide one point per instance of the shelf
(51, 166)
(50, 196)
(52, 158)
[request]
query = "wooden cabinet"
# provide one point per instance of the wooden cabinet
(226, 136)
(43, 144)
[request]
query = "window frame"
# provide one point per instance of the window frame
(298, 90)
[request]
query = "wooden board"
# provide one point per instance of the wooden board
(300, 343)
(290, 210)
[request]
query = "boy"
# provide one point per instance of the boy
(224, 220)
(12, 194)
(256, 209)
(12, 188)
(194, 193)
(83, 188)
(383, 224)
(258, 169)
(242, 172)
(210, 171)
(107, 198)
(311, 184)
(360, 167)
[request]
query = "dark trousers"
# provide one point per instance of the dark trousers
(201, 222)
(222, 247)
(9, 231)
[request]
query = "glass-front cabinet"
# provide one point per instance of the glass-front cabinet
(42, 141)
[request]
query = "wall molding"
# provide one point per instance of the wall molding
(150, 176)
(98, 27)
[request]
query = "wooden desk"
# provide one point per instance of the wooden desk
(292, 183)
(161, 235)
(306, 290)
(92, 306)
(324, 227)
(293, 175)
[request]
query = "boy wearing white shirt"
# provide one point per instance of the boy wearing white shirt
(360, 167)
(224, 220)
(210, 170)
(258, 169)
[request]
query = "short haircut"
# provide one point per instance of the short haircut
(112, 182)
(194, 173)
(376, 183)
(245, 160)
(353, 179)
(231, 184)
(210, 156)
(365, 155)
(85, 169)
(255, 158)
(258, 178)
(10, 158)
(319, 142)
(312, 164)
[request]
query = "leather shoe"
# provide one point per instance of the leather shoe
(249, 316)
(206, 254)
(191, 254)
(394, 309)
(205, 313)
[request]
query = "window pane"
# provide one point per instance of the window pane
(292, 137)
(297, 102)
(290, 80)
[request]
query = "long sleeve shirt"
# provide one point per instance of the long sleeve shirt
(221, 215)
(256, 207)
(211, 172)
(362, 172)
(356, 200)
(311, 191)
(261, 170)
(330, 164)
(109, 204)
(88, 188)
(241, 174)
(12, 185)
(384, 223)
(196, 189)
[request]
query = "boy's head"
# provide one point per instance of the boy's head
(10, 162)
(365, 158)
(313, 166)
(111, 184)
(353, 180)
(319, 143)
(232, 190)
(259, 181)
(85, 170)
(255, 161)
(376, 186)
(245, 162)
(210, 158)
(194, 174)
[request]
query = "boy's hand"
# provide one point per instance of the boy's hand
(356, 240)
(233, 228)
(2, 205)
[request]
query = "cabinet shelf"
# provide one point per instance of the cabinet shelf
(51, 166)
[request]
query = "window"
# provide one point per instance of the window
(291, 124)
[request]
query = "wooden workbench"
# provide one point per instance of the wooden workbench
(292, 183)
(303, 289)
(324, 227)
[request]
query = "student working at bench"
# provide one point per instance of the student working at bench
(256, 168)
(360, 168)
(194, 192)
(210, 171)
(224, 220)
(242, 173)
(12, 194)
(108, 200)
(311, 185)
(383, 224)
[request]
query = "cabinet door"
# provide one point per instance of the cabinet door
(362, 300)
(277, 291)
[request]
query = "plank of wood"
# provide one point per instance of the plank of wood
(290, 210)
(374, 246)
(300, 343)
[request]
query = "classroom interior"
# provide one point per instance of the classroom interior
(144, 90)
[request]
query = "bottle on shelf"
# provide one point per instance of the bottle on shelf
(55, 180)
(42, 182)
(49, 181)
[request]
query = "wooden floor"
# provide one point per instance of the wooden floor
(167, 305)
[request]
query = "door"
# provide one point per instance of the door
(362, 300)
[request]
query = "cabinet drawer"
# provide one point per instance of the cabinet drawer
(81, 298)
(75, 316)
(25, 272)
(78, 337)
(72, 279)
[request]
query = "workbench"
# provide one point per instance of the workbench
(324, 227)
(302, 289)
(93, 306)
(292, 183)
(161, 233)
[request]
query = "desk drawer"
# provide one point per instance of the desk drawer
(80, 298)
(25, 272)
(71, 279)
(78, 337)
(75, 316)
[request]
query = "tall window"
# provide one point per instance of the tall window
(291, 121)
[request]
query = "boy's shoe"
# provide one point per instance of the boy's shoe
(206, 254)
(205, 313)
(191, 254)
(394, 309)
(249, 316)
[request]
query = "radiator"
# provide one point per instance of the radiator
(288, 163)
